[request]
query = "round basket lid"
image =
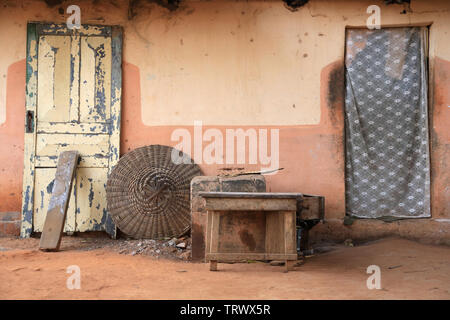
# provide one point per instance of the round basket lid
(148, 195)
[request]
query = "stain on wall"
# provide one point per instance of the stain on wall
(336, 92)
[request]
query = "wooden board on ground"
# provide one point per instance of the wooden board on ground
(57, 208)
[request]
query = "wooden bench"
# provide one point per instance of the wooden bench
(251, 226)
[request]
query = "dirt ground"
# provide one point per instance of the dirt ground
(409, 270)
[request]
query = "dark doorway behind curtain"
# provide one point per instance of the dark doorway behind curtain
(386, 119)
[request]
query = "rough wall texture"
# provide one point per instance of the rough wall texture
(10, 224)
(426, 231)
(170, 55)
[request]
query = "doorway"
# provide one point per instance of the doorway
(386, 123)
(73, 94)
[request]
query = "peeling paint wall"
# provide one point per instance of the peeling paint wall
(239, 64)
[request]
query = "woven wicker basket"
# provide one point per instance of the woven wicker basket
(148, 194)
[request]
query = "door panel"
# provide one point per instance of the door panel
(54, 79)
(91, 212)
(92, 148)
(95, 88)
(73, 127)
(45, 177)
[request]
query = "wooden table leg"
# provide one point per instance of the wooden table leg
(213, 265)
(289, 265)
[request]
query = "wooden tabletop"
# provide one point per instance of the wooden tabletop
(251, 195)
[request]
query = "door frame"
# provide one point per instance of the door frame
(34, 30)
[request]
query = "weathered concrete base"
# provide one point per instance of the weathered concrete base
(430, 231)
(10, 224)
(249, 183)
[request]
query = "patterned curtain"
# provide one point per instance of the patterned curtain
(387, 152)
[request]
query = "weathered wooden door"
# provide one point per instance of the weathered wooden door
(73, 92)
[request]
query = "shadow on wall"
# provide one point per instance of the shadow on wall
(440, 140)
(12, 138)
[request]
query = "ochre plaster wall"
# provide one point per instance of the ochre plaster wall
(241, 64)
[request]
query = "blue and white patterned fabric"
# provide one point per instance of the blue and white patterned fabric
(387, 149)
